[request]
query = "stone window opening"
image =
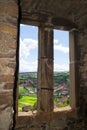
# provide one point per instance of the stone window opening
(45, 102)
(27, 81)
(61, 70)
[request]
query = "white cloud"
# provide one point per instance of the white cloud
(23, 25)
(26, 66)
(56, 41)
(61, 67)
(26, 46)
(62, 48)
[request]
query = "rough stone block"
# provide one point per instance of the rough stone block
(7, 78)
(9, 8)
(8, 30)
(8, 86)
(7, 67)
(6, 118)
(7, 43)
(6, 98)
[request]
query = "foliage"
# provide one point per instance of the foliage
(63, 104)
(27, 100)
(61, 77)
(19, 96)
(31, 99)
(22, 91)
(35, 106)
(56, 99)
(26, 75)
(68, 100)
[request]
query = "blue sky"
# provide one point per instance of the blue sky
(29, 49)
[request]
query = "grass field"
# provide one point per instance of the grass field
(32, 99)
(22, 90)
(26, 100)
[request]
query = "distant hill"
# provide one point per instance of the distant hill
(60, 78)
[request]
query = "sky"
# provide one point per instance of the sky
(28, 50)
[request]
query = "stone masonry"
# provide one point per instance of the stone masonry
(66, 15)
(8, 45)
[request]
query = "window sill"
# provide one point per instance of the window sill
(64, 109)
(25, 118)
(30, 113)
(67, 108)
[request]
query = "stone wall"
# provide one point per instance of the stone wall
(8, 44)
(70, 119)
(82, 56)
(62, 120)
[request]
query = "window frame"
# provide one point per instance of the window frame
(73, 71)
(74, 84)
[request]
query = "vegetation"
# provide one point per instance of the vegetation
(61, 77)
(63, 104)
(22, 91)
(27, 89)
(26, 101)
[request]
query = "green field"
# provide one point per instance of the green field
(32, 99)
(24, 99)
